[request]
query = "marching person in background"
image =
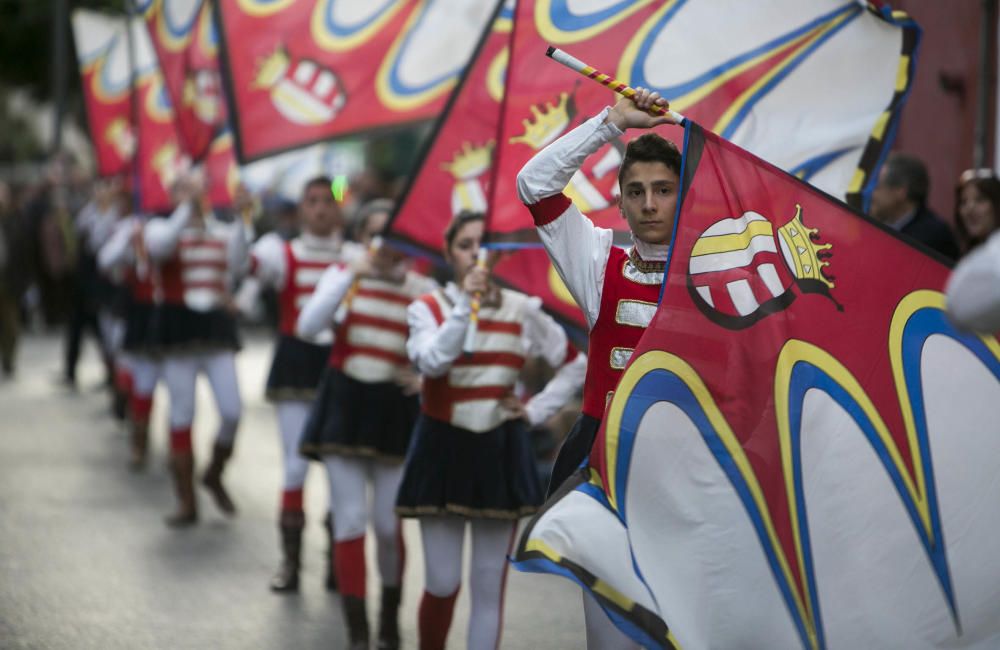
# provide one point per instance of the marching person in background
(617, 289)
(197, 258)
(974, 288)
(977, 207)
(14, 278)
(293, 268)
(362, 419)
(124, 257)
(470, 460)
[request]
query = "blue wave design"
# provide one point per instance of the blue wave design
(346, 31)
(567, 21)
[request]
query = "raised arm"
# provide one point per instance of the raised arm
(118, 250)
(317, 314)
(162, 235)
(432, 347)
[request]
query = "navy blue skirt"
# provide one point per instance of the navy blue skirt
(177, 329)
(139, 318)
(575, 449)
(296, 369)
(453, 471)
(353, 418)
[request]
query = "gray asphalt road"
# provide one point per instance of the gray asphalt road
(86, 562)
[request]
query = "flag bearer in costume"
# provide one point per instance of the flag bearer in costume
(617, 289)
(361, 422)
(293, 269)
(197, 258)
(124, 255)
(470, 460)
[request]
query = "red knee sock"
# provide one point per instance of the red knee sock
(434, 619)
(140, 406)
(123, 380)
(349, 560)
(291, 500)
(180, 441)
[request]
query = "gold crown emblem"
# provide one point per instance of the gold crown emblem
(271, 69)
(547, 125)
(470, 161)
(804, 255)
(119, 134)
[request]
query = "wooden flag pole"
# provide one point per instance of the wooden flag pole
(577, 65)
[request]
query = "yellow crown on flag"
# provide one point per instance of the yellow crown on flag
(271, 68)
(547, 125)
(470, 161)
(803, 252)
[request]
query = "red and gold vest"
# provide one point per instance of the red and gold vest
(629, 298)
(371, 341)
(467, 395)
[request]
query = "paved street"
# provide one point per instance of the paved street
(86, 562)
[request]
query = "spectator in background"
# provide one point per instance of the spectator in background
(977, 207)
(899, 200)
(13, 279)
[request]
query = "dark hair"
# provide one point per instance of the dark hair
(650, 147)
(459, 220)
(365, 212)
(904, 170)
(322, 180)
(988, 186)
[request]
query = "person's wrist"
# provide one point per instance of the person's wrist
(615, 118)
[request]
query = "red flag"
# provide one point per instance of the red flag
(299, 73)
(221, 170)
(103, 55)
(184, 37)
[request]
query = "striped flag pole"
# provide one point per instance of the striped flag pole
(477, 298)
(577, 65)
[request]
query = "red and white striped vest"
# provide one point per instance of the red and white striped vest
(628, 301)
(304, 265)
(371, 340)
(195, 275)
(467, 395)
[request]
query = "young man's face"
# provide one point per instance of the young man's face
(648, 201)
(319, 211)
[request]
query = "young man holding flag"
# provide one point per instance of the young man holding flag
(617, 289)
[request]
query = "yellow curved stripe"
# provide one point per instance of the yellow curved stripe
(384, 89)
(554, 35)
(167, 39)
(660, 360)
(732, 243)
(335, 43)
(496, 73)
(260, 9)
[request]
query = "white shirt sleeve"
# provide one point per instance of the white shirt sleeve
(238, 249)
(118, 250)
(973, 293)
(317, 314)
(564, 386)
(269, 260)
(578, 249)
(431, 347)
(161, 235)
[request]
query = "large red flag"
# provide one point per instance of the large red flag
(103, 53)
(300, 72)
(802, 450)
(221, 171)
(184, 37)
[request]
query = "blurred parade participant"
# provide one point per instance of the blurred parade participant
(13, 279)
(470, 460)
(124, 257)
(899, 200)
(977, 207)
(616, 289)
(362, 419)
(197, 258)
(292, 268)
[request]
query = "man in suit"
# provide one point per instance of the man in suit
(899, 200)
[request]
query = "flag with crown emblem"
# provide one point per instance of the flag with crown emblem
(106, 78)
(302, 72)
(802, 451)
(184, 37)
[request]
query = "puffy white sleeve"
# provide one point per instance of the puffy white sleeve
(563, 387)
(317, 314)
(118, 250)
(268, 260)
(578, 249)
(973, 293)
(545, 338)
(161, 235)
(431, 347)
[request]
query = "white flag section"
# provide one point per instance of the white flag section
(820, 473)
(803, 85)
